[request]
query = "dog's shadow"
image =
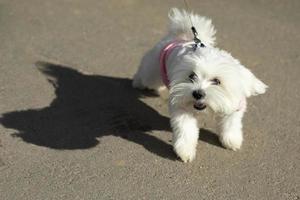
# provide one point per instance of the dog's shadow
(88, 107)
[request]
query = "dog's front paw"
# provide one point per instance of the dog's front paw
(232, 140)
(186, 153)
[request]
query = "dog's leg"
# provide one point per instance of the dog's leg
(231, 134)
(148, 74)
(185, 134)
(163, 91)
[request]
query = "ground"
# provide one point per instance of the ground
(71, 126)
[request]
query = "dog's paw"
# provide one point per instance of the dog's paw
(232, 140)
(137, 83)
(186, 153)
(163, 92)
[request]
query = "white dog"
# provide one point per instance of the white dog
(198, 78)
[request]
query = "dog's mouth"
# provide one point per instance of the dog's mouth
(199, 106)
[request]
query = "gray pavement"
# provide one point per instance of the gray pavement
(71, 126)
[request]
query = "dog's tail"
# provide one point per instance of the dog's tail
(181, 22)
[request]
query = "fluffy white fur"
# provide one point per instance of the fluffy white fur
(227, 99)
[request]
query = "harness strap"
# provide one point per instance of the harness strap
(165, 52)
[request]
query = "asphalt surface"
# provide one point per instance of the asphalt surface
(71, 126)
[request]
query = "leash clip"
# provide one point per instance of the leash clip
(196, 39)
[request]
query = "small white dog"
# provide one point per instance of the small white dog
(198, 78)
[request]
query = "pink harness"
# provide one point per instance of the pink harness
(165, 52)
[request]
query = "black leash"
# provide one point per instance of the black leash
(197, 41)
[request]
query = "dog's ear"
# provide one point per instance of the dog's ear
(252, 85)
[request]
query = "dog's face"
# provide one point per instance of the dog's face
(212, 78)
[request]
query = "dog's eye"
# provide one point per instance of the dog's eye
(215, 81)
(192, 77)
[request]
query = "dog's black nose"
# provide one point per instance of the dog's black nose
(198, 94)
